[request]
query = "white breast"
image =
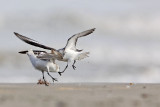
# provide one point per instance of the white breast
(70, 55)
(42, 65)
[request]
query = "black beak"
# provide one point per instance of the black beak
(23, 52)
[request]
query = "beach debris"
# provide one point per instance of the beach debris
(131, 83)
(144, 95)
(144, 87)
(41, 81)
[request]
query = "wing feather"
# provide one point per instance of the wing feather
(72, 41)
(48, 56)
(32, 42)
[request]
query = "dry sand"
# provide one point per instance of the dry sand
(80, 95)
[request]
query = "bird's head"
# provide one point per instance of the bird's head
(28, 52)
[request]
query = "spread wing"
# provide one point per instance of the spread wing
(43, 55)
(32, 42)
(71, 43)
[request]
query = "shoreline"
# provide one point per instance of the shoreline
(80, 94)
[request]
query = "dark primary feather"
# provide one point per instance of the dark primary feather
(71, 43)
(48, 56)
(32, 42)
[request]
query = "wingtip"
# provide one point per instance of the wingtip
(15, 33)
(93, 29)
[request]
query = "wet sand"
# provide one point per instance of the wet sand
(80, 95)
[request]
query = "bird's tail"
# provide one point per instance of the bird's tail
(82, 55)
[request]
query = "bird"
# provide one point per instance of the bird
(67, 54)
(42, 64)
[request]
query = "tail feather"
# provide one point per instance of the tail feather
(82, 56)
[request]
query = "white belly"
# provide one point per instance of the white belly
(70, 55)
(42, 66)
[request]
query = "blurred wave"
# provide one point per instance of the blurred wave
(131, 25)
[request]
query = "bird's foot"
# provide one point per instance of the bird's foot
(46, 83)
(74, 67)
(60, 73)
(54, 79)
(40, 81)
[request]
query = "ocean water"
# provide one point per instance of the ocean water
(124, 48)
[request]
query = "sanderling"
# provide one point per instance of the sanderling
(42, 64)
(68, 54)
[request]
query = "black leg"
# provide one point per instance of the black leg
(53, 79)
(44, 79)
(60, 73)
(74, 67)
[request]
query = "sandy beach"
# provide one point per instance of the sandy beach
(80, 95)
